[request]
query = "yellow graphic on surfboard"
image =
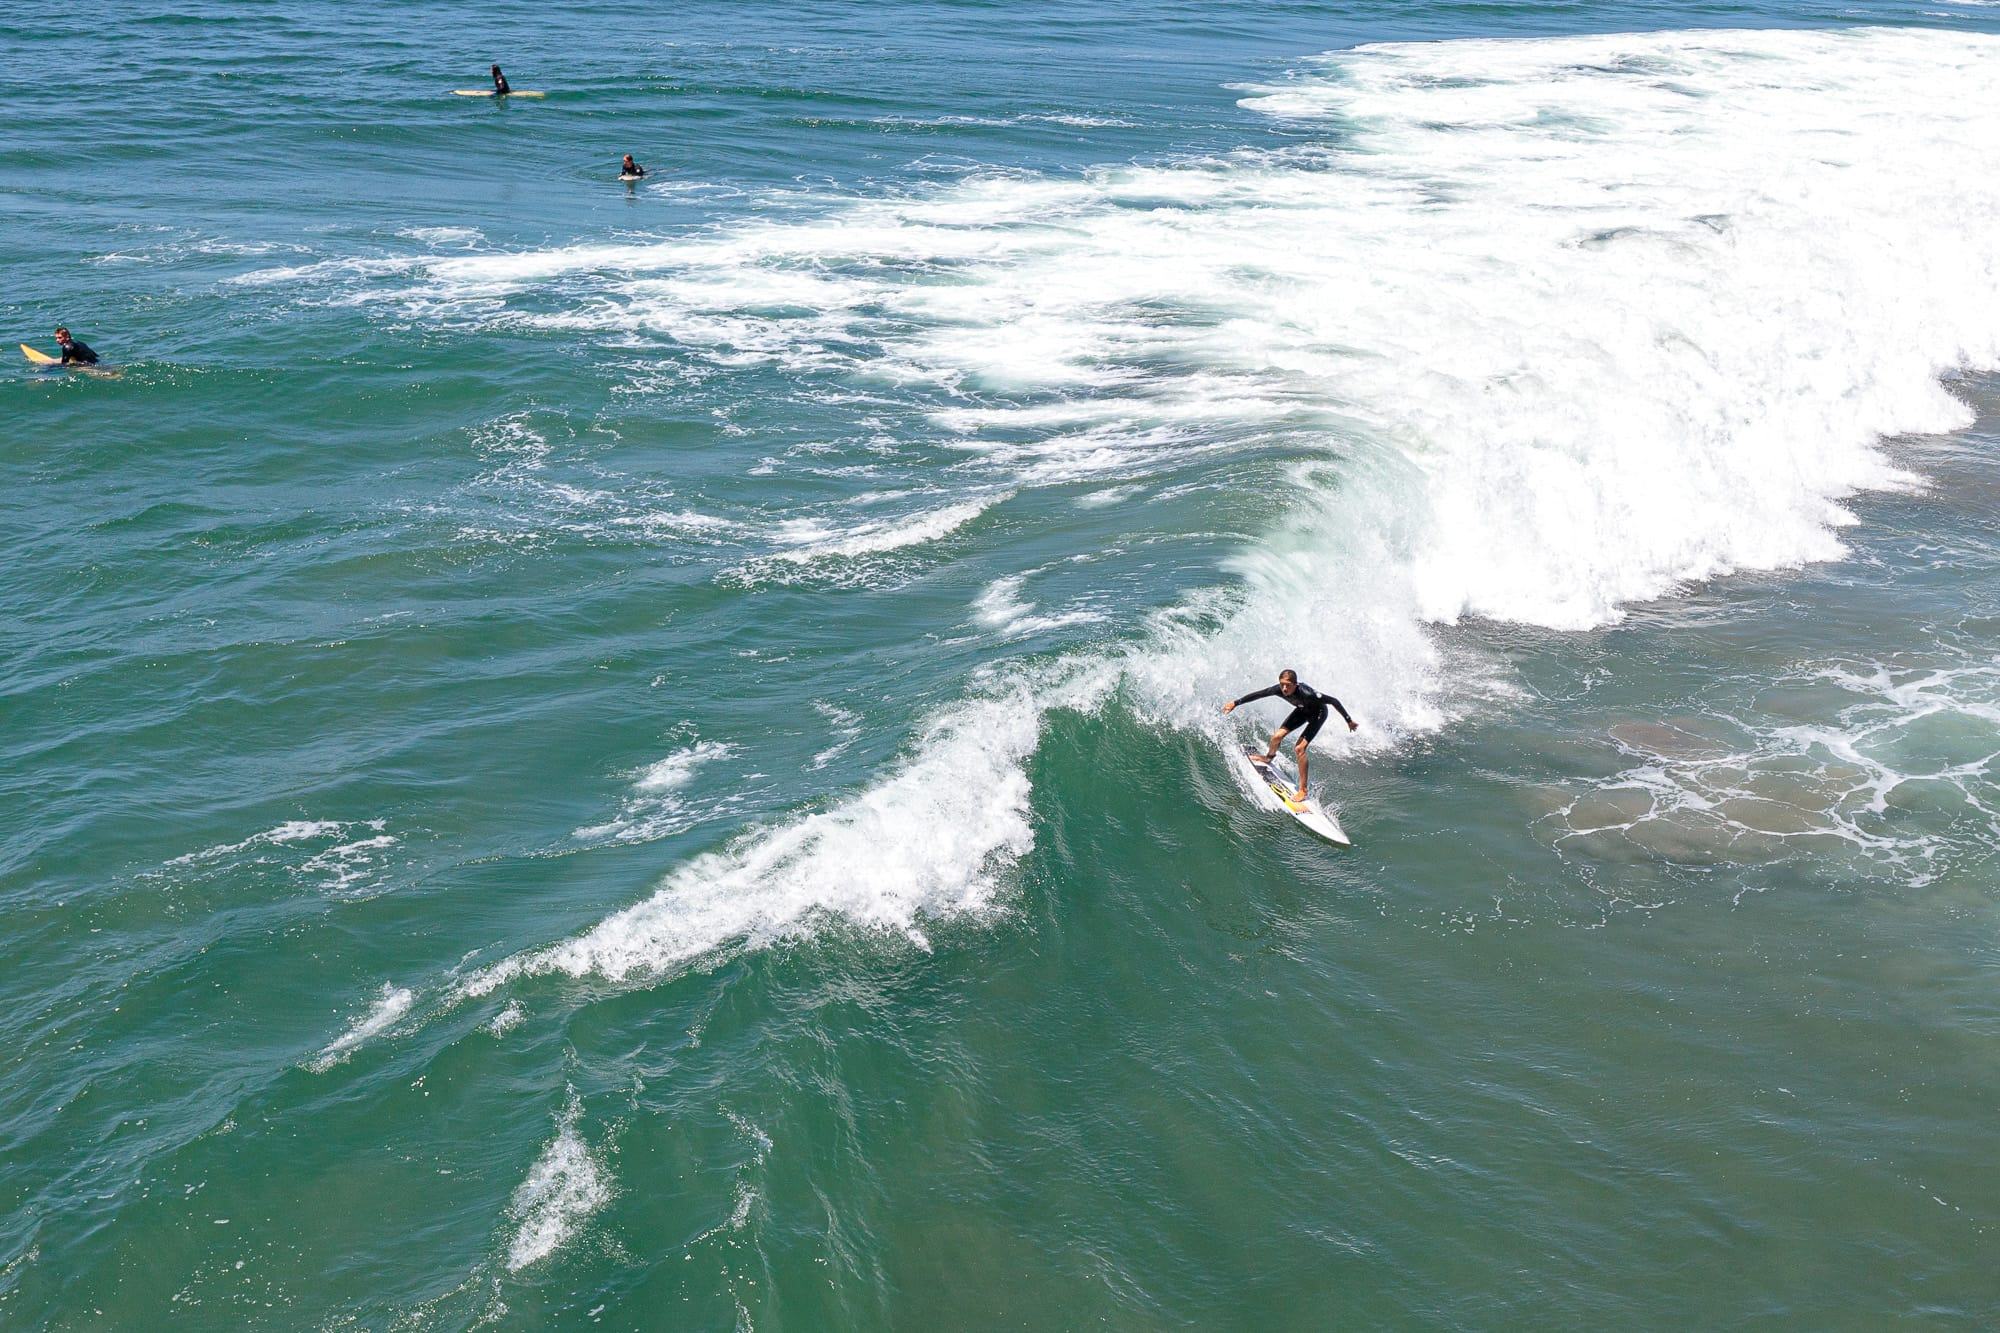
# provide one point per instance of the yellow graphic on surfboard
(1275, 794)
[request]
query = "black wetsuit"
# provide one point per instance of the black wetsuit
(634, 170)
(500, 88)
(1308, 706)
(76, 354)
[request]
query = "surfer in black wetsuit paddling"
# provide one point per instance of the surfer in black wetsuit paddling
(500, 88)
(631, 168)
(74, 353)
(1308, 706)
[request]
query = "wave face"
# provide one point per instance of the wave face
(1549, 326)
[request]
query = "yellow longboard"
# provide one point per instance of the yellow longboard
(45, 361)
(488, 92)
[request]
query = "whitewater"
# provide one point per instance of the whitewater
(1568, 324)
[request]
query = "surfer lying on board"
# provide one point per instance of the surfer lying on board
(1308, 706)
(631, 168)
(500, 88)
(74, 353)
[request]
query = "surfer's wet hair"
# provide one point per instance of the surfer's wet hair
(1289, 674)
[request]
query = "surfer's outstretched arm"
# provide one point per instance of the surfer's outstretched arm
(1352, 725)
(1251, 697)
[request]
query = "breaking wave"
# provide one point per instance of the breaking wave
(1545, 327)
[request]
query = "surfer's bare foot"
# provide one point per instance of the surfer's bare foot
(1300, 796)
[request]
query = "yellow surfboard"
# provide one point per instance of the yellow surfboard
(488, 92)
(44, 360)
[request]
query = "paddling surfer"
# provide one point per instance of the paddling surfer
(631, 168)
(1309, 706)
(74, 353)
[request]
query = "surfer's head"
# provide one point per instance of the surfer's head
(62, 335)
(1288, 680)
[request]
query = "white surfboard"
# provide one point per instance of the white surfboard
(488, 92)
(629, 179)
(1274, 793)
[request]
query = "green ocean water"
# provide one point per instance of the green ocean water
(575, 755)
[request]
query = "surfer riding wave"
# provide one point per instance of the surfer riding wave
(1309, 707)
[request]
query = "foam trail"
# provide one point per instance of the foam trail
(1927, 733)
(295, 830)
(388, 1010)
(656, 807)
(807, 540)
(677, 770)
(566, 1185)
(1000, 607)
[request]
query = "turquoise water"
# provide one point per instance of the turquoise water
(583, 756)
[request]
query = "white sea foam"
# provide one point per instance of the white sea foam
(676, 770)
(1900, 779)
(388, 1010)
(183, 245)
(1564, 322)
(337, 868)
(507, 1019)
(326, 270)
(565, 1186)
(806, 540)
(292, 830)
(341, 867)
(846, 724)
(746, 1193)
(844, 552)
(444, 235)
(927, 842)
(656, 807)
(1000, 607)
